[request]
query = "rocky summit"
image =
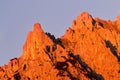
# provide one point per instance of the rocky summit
(89, 50)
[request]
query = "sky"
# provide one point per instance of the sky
(17, 18)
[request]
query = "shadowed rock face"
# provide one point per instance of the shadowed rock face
(89, 50)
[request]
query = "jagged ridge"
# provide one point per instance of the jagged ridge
(89, 49)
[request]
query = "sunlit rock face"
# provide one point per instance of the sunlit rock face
(89, 50)
(35, 43)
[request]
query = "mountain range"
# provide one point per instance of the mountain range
(89, 50)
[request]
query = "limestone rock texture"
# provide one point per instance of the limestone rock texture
(89, 50)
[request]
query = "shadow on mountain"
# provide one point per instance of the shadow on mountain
(113, 49)
(17, 76)
(55, 40)
(79, 65)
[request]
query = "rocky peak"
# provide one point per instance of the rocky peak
(83, 20)
(38, 29)
(36, 40)
(118, 22)
(118, 17)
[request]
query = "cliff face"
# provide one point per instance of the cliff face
(89, 50)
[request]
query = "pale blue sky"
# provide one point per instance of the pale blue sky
(18, 16)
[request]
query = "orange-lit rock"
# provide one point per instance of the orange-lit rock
(89, 50)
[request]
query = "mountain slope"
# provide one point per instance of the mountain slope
(89, 50)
